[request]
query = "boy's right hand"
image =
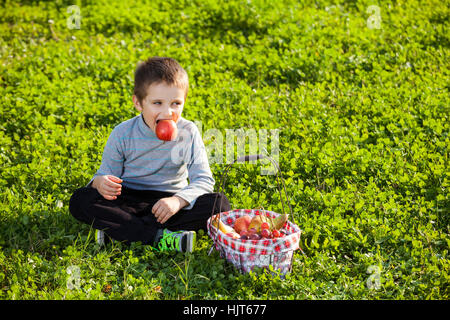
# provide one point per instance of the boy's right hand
(108, 186)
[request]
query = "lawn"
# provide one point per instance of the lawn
(357, 91)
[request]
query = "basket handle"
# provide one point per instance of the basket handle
(248, 158)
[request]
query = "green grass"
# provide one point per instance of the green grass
(363, 115)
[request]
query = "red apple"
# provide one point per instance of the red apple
(242, 223)
(166, 130)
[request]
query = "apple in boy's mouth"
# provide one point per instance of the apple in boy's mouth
(166, 129)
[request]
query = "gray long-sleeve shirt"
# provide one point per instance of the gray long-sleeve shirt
(134, 154)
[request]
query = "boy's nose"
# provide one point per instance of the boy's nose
(168, 113)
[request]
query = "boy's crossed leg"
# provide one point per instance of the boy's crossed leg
(129, 217)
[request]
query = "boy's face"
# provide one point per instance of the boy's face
(163, 101)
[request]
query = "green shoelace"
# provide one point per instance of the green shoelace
(169, 241)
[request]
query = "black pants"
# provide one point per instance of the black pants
(129, 217)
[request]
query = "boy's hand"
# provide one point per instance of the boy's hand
(167, 207)
(108, 186)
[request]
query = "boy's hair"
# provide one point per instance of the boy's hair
(156, 70)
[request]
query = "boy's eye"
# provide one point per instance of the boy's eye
(159, 103)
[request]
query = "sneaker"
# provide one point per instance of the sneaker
(182, 241)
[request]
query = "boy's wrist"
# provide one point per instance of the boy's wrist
(94, 183)
(183, 203)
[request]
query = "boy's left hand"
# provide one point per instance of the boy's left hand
(167, 207)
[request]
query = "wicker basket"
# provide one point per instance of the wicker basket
(274, 254)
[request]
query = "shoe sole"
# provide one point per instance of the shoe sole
(100, 237)
(191, 239)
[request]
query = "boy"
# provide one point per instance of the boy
(140, 192)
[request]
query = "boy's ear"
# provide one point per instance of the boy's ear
(136, 103)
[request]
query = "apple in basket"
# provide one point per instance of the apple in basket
(242, 223)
